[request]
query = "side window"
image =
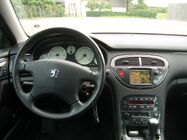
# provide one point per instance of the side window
(4, 42)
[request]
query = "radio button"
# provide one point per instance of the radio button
(126, 122)
(134, 107)
(126, 115)
(133, 133)
(149, 107)
(144, 122)
(156, 115)
(134, 121)
(130, 107)
(157, 72)
(121, 73)
(142, 107)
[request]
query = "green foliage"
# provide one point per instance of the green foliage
(141, 10)
(33, 2)
(159, 9)
(38, 8)
(98, 5)
(42, 2)
(103, 14)
(128, 4)
(134, 13)
(59, 11)
(98, 8)
(140, 5)
(92, 5)
(142, 13)
(26, 2)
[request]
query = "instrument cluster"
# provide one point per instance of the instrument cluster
(80, 54)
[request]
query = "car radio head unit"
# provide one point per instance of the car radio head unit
(139, 71)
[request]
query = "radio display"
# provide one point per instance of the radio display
(140, 77)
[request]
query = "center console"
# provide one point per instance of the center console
(136, 114)
(140, 115)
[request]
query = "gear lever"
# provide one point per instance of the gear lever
(153, 125)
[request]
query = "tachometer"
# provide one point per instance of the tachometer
(57, 52)
(84, 55)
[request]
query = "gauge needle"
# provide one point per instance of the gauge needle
(84, 55)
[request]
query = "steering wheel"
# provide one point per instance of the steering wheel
(57, 77)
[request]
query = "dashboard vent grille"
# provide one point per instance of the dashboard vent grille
(146, 61)
(128, 61)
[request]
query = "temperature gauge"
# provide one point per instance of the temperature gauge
(71, 49)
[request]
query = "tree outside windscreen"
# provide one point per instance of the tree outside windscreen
(87, 8)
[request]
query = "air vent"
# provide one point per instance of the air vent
(127, 61)
(147, 61)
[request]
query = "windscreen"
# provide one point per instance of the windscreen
(101, 16)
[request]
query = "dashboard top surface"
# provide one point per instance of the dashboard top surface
(143, 41)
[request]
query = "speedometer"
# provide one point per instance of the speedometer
(57, 52)
(84, 55)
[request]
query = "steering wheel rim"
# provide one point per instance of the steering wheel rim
(41, 68)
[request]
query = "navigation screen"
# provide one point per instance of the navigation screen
(140, 77)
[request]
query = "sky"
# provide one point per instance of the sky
(162, 3)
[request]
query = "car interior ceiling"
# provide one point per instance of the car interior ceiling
(123, 110)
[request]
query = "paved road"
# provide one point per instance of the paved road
(90, 25)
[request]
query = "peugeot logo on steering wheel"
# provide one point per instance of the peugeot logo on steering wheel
(54, 73)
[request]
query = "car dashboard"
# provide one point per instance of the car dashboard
(141, 71)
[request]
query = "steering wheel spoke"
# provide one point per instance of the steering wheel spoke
(21, 66)
(86, 74)
(34, 93)
(95, 76)
(31, 66)
(28, 99)
(26, 66)
(76, 107)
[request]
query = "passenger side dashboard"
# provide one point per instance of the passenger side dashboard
(125, 53)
